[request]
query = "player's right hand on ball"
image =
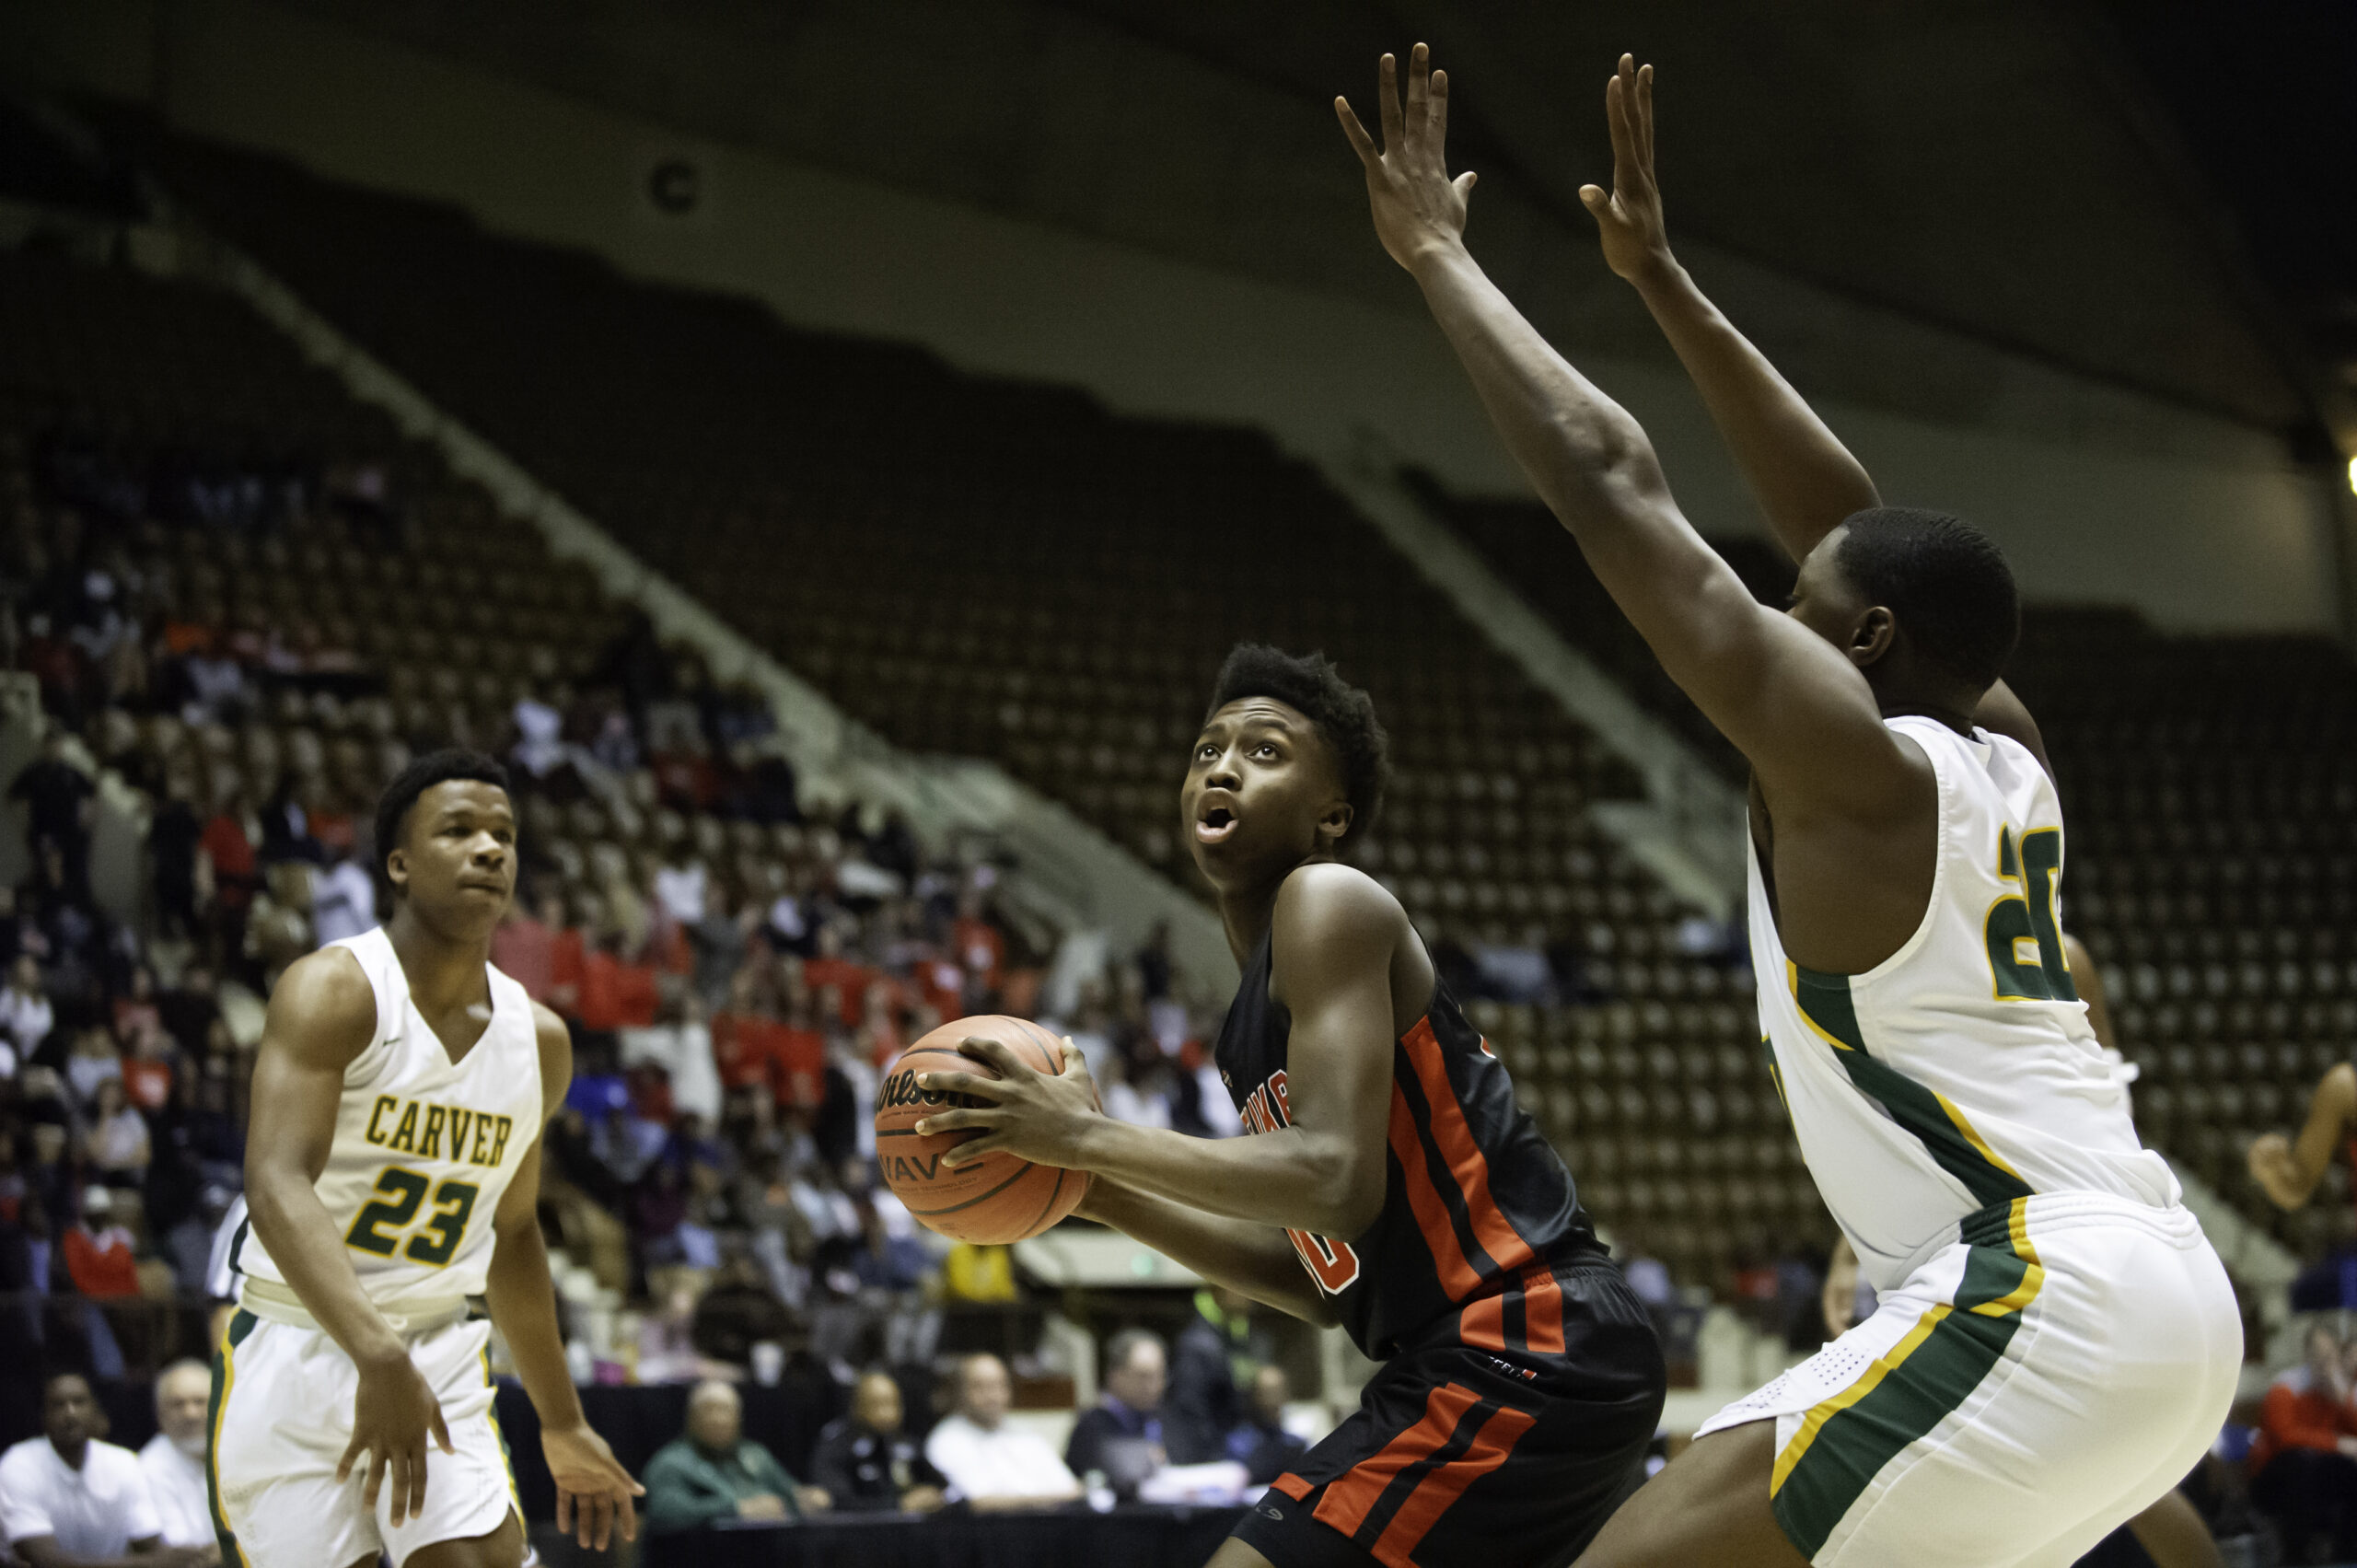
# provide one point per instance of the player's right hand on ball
(393, 1414)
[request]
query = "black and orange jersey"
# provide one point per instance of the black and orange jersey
(1477, 1210)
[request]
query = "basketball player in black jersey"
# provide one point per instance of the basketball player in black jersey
(1394, 1188)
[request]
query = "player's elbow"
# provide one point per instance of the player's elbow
(1346, 1192)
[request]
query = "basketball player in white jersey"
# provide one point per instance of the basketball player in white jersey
(392, 1170)
(2055, 1344)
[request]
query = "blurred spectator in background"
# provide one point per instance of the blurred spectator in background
(739, 1312)
(68, 1498)
(343, 897)
(989, 1463)
(1120, 1439)
(25, 1013)
(679, 1043)
(174, 1459)
(1261, 1443)
(99, 1253)
(119, 1146)
(2303, 1465)
(712, 1471)
(60, 802)
(524, 946)
(1214, 1353)
(172, 835)
(866, 1464)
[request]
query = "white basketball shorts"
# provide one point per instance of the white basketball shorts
(2026, 1390)
(281, 1415)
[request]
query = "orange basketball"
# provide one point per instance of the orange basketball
(998, 1198)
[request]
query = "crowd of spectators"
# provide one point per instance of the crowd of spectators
(737, 953)
(2303, 1462)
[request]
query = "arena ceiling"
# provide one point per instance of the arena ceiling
(2153, 193)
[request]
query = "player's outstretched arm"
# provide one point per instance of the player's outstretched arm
(322, 1015)
(2288, 1169)
(1256, 1259)
(593, 1491)
(1322, 1164)
(1805, 479)
(1791, 702)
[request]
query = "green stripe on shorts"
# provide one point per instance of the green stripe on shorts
(1914, 1395)
(224, 1375)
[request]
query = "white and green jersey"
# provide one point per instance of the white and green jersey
(424, 1149)
(1960, 1073)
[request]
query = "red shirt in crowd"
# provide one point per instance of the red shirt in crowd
(614, 995)
(943, 985)
(2300, 1412)
(525, 951)
(564, 973)
(742, 1047)
(848, 978)
(979, 946)
(798, 1067)
(148, 1084)
(101, 1264)
(225, 844)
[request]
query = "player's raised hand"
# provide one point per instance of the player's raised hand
(2277, 1173)
(1417, 207)
(394, 1413)
(1628, 220)
(593, 1491)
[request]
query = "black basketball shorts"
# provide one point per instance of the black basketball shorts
(1462, 1457)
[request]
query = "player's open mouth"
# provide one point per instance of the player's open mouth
(1215, 826)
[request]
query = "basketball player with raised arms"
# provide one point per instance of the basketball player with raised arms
(2054, 1343)
(394, 1170)
(1393, 1186)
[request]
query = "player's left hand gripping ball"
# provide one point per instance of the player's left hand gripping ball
(593, 1491)
(1041, 1117)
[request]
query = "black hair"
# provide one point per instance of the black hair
(1344, 713)
(1944, 580)
(434, 768)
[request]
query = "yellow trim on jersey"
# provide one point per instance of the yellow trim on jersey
(1825, 1411)
(1792, 985)
(1979, 1144)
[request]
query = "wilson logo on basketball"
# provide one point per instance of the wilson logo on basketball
(901, 1090)
(1331, 1263)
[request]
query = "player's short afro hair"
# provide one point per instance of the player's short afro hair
(1343, 715)
(1944, 580)
(422, 774)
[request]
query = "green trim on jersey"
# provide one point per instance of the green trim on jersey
(1824, 1002)
(1844, 1443)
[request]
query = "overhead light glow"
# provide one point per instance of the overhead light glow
(2352, 476)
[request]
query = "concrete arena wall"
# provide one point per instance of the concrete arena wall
(2204, 525)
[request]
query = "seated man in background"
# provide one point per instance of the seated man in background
(1121, 1438)
(68, 1500)
(989, 1463)
(1260, 1443)
(174, 1459)
(712, 1471)
(866, 1463)
(2303, 1466)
